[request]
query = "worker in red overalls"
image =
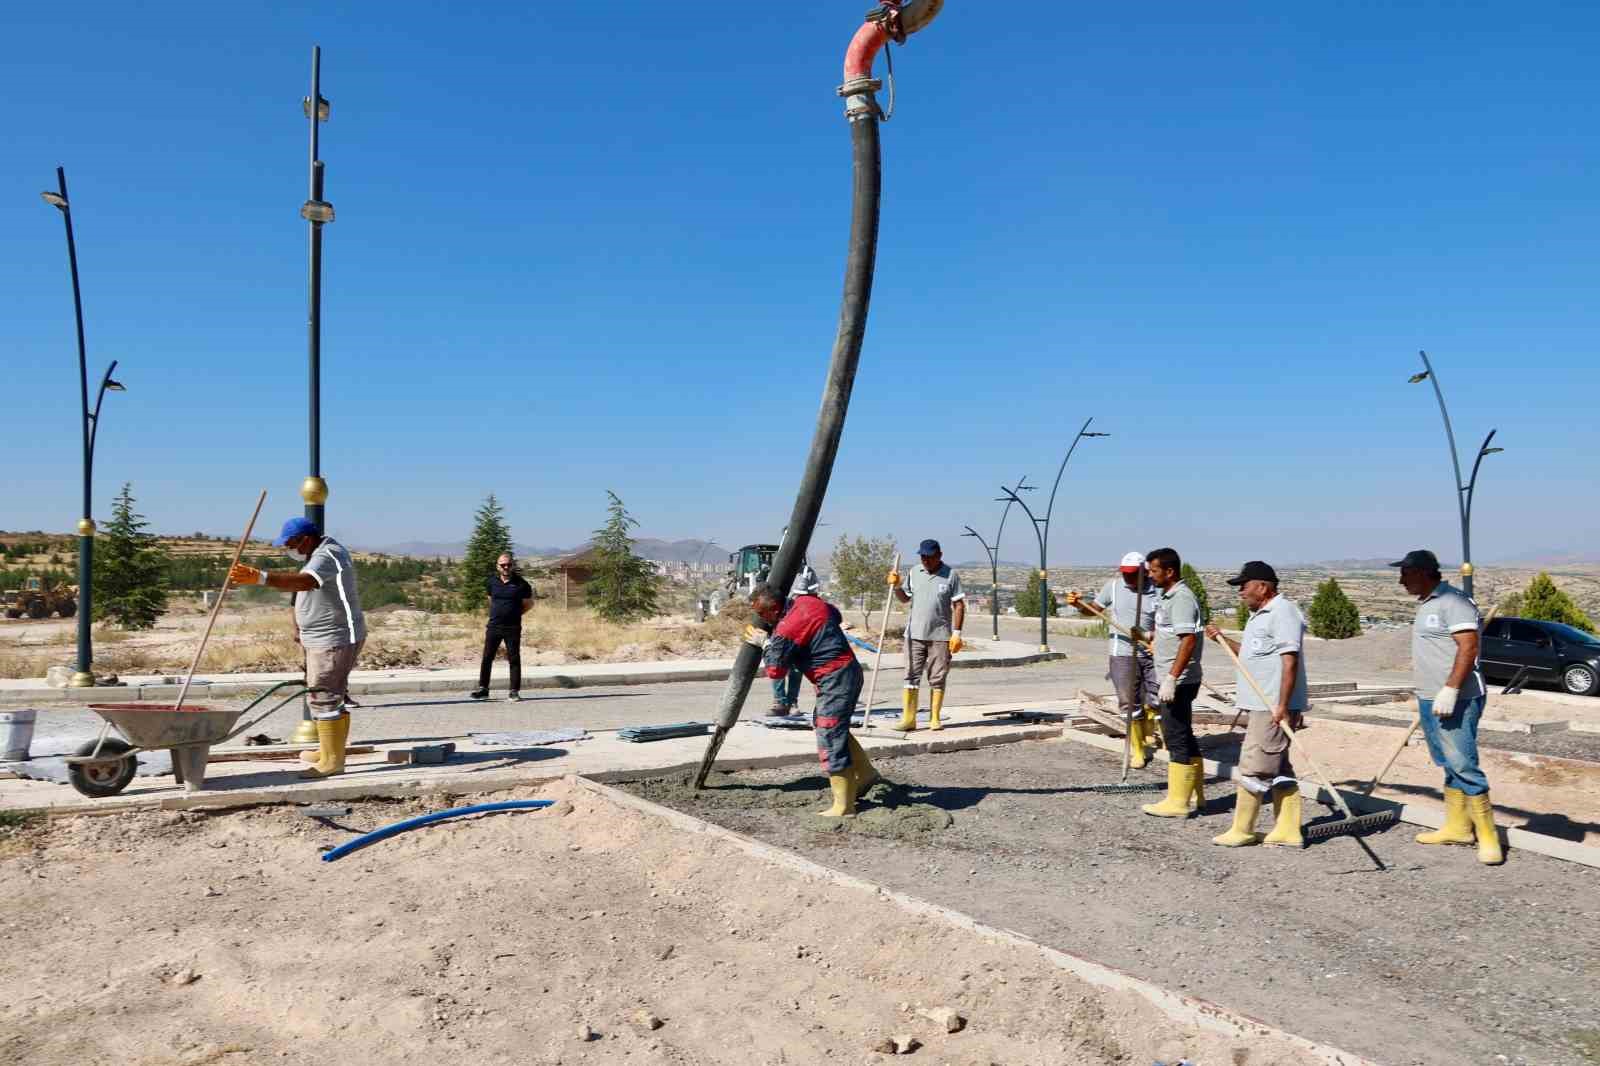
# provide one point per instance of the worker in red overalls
(808, 636)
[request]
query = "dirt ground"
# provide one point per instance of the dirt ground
(531, 938)
(1438, 960)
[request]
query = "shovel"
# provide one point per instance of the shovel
(877, 662)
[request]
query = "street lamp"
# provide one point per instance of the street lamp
(994, 557)
(1463, 491)
(318, 213)
(83, 677)
(1041, 531)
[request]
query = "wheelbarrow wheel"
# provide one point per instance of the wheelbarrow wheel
(103, 778)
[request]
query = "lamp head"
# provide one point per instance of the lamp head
(317, 211)
(1491, 451)
(1415, 378)
(115, 386)
(324, 109)
(56, 200)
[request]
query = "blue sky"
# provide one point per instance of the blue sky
(584, 247)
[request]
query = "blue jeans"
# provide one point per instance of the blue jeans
(787, 690)
(1453, 743)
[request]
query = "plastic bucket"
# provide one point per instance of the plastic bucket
(16, 734)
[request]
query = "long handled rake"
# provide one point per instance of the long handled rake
(877, 662)
(1351, 824)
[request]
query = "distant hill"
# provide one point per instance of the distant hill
(665, 551)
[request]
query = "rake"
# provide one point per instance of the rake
(1351, 824)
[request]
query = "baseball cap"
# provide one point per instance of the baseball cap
(928, 547)
(298, 526)
(1254, 570)
(1131, 562)
(1421, 559)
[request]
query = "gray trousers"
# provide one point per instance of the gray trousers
(930, 655)
(329, 668)
(1134, 678)
(1264, 756)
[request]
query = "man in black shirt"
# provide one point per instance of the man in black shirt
(509, 599)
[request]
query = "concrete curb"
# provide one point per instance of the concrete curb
(1412, 813)
(477, 783)
(1183, 1010)
(589, 676)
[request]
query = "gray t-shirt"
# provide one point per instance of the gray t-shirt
(1277, 628)
(1177, 615)
(1119, 602)
(931, 598)
(329, 616)
(1445, 612)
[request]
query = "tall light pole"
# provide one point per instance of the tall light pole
(994, 558)
(1041, 531)
(317, 212)
(1463, 491)
(84, 676)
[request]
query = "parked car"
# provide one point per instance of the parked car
(1551, 651)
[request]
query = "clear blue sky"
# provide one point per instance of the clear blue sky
(587, 246)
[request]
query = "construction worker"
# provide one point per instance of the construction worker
(1177, 664)
(328, 624)
(807, 635)
(933, 632)
(786, 690)
(1450, 700)
(1271, 654)
(1130, 600)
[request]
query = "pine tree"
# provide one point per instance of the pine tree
(1546, 602)
(1028, 598)
(624, 587)
(490, 539)
(1332, 615)
(130, 570)
(1191, 577)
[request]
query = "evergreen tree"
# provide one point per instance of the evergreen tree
(130, 571)
(1545, 602)
(1028, 598)
(1191, 577)
(490, 539)
(624, 587)
(1332, 615)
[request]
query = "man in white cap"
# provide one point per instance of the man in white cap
(1130, 600)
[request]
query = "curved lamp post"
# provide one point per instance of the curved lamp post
(1463, 491)
(994, 558)
(84, 675)
(1041, 531)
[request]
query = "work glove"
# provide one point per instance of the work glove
(1444, 702)
(755, 636)
(894, 579)
(241, 574)
(1169, 689)
(956, 643)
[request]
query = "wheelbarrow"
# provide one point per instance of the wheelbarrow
(106, 765)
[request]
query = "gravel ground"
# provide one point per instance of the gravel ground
(1437, 960)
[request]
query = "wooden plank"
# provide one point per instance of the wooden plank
(1093, 708)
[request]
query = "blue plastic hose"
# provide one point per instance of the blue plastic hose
(425, 819)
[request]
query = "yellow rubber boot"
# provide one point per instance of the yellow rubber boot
(1245, 808)
(935, 703)
(331, 736)
(908, 714)
(1457, 828)
(1286, 827)
(1136, 753)
(1197, 797)
(1152, 727)
(861, 767)
(1481, 812)
(1179, 788)
(844, 796)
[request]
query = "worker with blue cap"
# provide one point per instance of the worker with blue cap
(328, 624)
(933, 631)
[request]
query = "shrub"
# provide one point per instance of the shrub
(1332, 615)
